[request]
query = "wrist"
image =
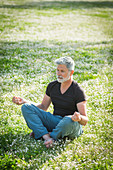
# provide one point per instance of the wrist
(24, 101)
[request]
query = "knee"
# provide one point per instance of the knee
(25, 107)
(71, 128)
(67, 122)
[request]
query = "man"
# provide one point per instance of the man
(69, 104)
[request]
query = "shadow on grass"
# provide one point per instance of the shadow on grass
(62, 5)
(20, 148)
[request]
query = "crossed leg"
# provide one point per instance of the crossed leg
(42, 122)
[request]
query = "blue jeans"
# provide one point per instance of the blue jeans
(42, 122)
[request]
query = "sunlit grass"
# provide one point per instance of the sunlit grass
(32, 35)
(34, 21)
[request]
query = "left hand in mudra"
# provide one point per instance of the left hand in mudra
(76, 117)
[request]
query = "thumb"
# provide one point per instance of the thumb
(76, 113)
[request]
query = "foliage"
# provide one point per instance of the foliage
(33, 35)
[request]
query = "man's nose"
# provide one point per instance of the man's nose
(59, 73)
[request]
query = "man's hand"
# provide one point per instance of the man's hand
(76, 117)
(18, 100)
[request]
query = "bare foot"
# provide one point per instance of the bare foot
(32, 134)
(48, 140)
(49, 143)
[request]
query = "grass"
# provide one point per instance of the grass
(32, 35)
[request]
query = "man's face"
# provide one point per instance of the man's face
(63, 74)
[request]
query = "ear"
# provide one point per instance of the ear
(72, 71)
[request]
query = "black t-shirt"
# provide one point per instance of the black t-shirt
(66, 103)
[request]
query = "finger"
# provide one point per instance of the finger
(76, 113)
(13, 98)
(19, 102)
(74, 118)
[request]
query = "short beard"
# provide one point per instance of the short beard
(62, 80)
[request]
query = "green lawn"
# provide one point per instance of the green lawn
(32, 35)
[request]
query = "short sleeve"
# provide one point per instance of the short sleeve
(48, 90)
(80, 95)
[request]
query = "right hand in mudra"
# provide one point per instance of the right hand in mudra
(18, 100)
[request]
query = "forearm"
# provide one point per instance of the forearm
(27, 101)
(44, 104)
(41, 106)
(81, 116)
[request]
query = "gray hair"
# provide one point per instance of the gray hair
(67, 61)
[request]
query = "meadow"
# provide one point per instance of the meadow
(32, 35)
